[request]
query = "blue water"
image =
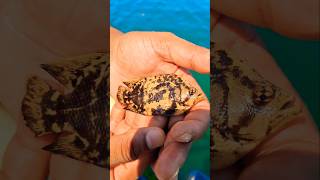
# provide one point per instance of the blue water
(188, 19)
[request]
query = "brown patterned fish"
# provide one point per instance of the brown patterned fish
(165, 95)
(245, 108)
(79, 114)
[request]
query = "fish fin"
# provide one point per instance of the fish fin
(76, 147)
(71, 145)
(70, 72)
(122, 95)
(131, 83)
(40, 107)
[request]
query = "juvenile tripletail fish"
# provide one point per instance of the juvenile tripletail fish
(245, 108)
(164, 95)
(79, 114)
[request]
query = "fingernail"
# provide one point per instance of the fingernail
(153, 139)
(184, 138)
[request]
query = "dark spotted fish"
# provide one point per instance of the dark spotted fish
(245, 108)
(164, 95)
(79, 114)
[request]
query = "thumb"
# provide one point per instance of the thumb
(129, 146)
(183, 53)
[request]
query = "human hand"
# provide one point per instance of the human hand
(26, 43)
(138, 54)
(282, 153)
(133, 143)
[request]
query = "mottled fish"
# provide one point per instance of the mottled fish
(245, 108)
(165, 95)
(79, 114)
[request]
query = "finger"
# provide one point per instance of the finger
(174, 119)
(117, 112)
(284, 164)
(64, 168)
(139, 121)
(158, 121)
(298, 19)
(183, 53)
(195, 123)
(127, 147)
(133, 120)
(170, 160)
(177, 143)
(32, 164)
(24, 153)
(132, 169)
(116, 116)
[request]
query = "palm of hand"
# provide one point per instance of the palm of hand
(138, 54)
(134, 56)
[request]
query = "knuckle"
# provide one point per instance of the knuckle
(125, 151)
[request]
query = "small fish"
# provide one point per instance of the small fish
(245, 108)
(165, 95)
(78, 116)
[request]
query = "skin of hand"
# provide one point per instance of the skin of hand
(32, 33)
(139, 54)
(283, 152)
(293, 18)
(132, 144)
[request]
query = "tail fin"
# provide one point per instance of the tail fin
(76, 147)
(39, 108)
(122, 95)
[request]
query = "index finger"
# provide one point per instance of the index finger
(195, 122)
(178, 140)
(183, 53)
(193, 125)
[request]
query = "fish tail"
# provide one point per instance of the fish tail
(77, 147)
(39, 107)
(122, 94)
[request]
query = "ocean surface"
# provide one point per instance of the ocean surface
(190, 20)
